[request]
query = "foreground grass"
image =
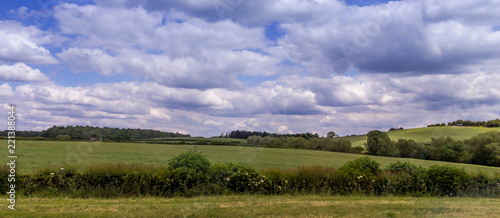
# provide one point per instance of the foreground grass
(257, 206)
(33, 155)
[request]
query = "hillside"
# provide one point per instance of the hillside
(34, 154)
(425, 134)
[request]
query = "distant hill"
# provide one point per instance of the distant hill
(425, 134)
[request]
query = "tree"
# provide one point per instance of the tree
(331, 134)
(485, 148)
(380, 144)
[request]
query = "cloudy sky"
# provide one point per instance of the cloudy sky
(209, 66)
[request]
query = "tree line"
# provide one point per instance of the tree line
(241, 134)
(489, 123)
(483, 149)
(97, 133)
(322, 144)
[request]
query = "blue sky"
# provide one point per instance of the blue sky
(213, 66)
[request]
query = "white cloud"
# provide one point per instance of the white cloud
(21, 72)
(158, 113)
(23, 44)
(212, 123)
(410, 63)
(90, 60)
(6, 91)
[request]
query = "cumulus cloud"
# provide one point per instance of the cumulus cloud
(205, 67)
(90, 60)
(6, 90)
(193, 53)
(23, 44)
(21, 72)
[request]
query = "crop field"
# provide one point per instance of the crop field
(258, 206)
(425, 134)
(33, 155)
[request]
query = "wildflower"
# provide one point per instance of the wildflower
(62, 168)
(51, 174)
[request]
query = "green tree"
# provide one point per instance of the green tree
(331, 134)
(379, 143)
(191, 159)
(485, 148)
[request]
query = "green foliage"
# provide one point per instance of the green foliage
(406, 167)
(446, 180)
(63, 137)
(191, 159)
(379, 143)
(238, 178)
(485, 148)
(361, 176)
(358, 150)
(115, 134)
(364, 167)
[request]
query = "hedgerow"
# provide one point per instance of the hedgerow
(190, 174)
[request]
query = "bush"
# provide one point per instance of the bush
(364, 166)
(406, 167)
(237, 177)
(446, 180)
(201, 142)
(191, 159)
(394, 183)
(358, 150)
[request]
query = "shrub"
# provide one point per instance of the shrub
(361, 167)
(187, 181)
(395, 183)
(406, 167)
(358, 150)
(201, 142)
(446, 180)
(191, 159)
(237, 177)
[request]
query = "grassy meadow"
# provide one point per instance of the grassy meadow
(258, 206)
(425, 134)
(36, 155)
(33, 155)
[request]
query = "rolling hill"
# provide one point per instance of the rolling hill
(34, 155)
(425, 134)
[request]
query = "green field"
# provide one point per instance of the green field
(33, 155)
(257, 206)
(425, 134)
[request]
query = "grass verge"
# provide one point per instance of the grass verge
(257, 206)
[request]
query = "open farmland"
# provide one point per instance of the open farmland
(425, 134)
(35, 155)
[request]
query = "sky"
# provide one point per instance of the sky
(286, 66)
